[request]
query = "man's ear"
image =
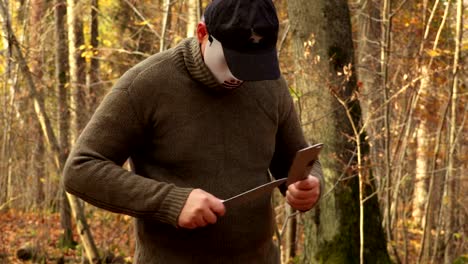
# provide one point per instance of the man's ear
(202, 32)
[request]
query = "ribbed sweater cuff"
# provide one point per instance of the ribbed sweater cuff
(172, 205)
(317, 172)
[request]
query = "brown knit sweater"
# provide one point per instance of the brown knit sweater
(183, 131)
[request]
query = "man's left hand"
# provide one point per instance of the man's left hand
(303, 195)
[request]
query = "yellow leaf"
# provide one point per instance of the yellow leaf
(465, 46)
(445, 200)
(177, 38)
(433, 53)
(142, 23)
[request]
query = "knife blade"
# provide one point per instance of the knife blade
(303, 162)
(253, 194)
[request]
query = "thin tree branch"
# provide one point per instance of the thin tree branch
(138, 13)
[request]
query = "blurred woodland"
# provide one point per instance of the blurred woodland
(382, 83)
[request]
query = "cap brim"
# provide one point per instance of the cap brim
(258, 66)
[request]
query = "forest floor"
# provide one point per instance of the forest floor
(113, 235)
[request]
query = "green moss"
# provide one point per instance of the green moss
(66, 241)
(342, 249)
(461, 260)
(345, 246)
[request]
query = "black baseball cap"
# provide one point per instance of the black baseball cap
(248, 31)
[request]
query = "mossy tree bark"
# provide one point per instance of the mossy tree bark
(322, 41)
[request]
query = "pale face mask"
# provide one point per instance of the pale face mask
(215, 61)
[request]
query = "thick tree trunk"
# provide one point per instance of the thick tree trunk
(324, 57)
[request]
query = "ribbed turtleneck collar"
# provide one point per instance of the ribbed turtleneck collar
(187, 55)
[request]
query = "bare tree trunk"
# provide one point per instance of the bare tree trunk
(37, 13)
(77, 69)
(61, 68)
(83, 230)
(81, 114)
(61, 73)
(193, 16)
(384, 52)
(373, 45)
(94, 82)
(291, 235)
(429, 207)
(373, 42)
(165, 25)
(7, 106)
(422, 159)
(369, 70)
(5, 178)
(451, 172)
(40, 171)
(324, 54)
(426, 184)
(6, 195)
(64, 141)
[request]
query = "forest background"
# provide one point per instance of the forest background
(382, 83)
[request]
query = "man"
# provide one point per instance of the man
(201, 122)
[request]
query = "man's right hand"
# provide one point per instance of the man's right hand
(200, 210)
